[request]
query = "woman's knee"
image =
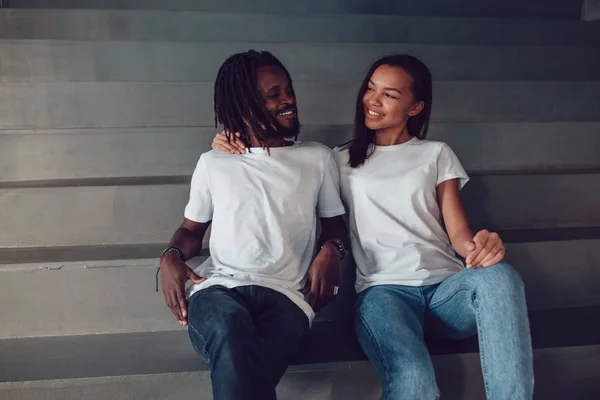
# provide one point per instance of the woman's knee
(499, 276)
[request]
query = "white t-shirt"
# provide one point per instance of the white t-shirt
(395, 220)
(264, 212)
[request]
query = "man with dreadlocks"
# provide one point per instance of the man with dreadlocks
(246, 310)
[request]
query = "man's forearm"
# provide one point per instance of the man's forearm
(334, 229)
(190, 242)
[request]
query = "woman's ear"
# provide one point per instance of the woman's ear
(417, 108)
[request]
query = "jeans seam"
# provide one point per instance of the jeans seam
(206, 355)
(191, 327)
(481, 349)
(379, 353)
(461, 287)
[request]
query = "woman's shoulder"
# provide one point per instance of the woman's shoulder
(429, 143)
(341, 154)
(434, 146)
(341, 148)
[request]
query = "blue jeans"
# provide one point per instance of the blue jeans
(393, 321)
(249, 335)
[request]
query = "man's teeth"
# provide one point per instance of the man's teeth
(373, 113)
(287, 113)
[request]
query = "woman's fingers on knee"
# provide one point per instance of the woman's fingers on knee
(493, 258)
(483, 254)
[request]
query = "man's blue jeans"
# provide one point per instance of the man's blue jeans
(392, 322)
(248, 334)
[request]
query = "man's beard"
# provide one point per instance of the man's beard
(278, 131)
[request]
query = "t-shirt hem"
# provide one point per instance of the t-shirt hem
(198, 218)
(332, 213)
(408, 282)
(462, 180)
(233, 283)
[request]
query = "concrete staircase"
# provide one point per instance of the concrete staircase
(105, 107)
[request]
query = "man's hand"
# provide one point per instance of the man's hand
(486, 249)
(174, 273)
(323, 276)
(235, 147)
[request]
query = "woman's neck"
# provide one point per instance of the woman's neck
(390, 138)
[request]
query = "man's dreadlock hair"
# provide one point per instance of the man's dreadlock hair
(239, 105)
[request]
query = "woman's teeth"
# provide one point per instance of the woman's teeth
(373, 113)
(287, 113)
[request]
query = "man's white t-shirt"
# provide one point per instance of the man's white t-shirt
(264, 212)
(396, 225)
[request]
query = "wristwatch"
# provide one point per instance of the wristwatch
(339, 245)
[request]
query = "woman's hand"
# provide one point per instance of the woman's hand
(486, 249)
(235, 147)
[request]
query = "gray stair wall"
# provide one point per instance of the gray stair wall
(51, 105)
(77, 298)
(104, 111)
(264, 27)
(138, 214)
(98, 138)
(56, 157)
(134, 61)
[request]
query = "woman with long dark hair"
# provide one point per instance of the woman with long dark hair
(407, 225)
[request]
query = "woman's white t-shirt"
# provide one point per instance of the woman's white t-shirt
(396, 225)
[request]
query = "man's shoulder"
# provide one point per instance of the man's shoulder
(215, 155)
(212, 154)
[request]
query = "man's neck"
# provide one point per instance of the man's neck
(275, 142)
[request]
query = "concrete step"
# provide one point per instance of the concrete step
(149, 213)
(57, 157)
(458, 377)
(84, 356)
(43, 105)
(73, 61)
(266, 27)
(118, 296)
(55, 256)
(337, 381)
(508, 8)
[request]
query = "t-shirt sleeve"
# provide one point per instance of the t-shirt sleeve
(200, 206)
(449, 167)
(329, 202)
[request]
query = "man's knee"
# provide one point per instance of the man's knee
(213, 325)
(223, 324)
